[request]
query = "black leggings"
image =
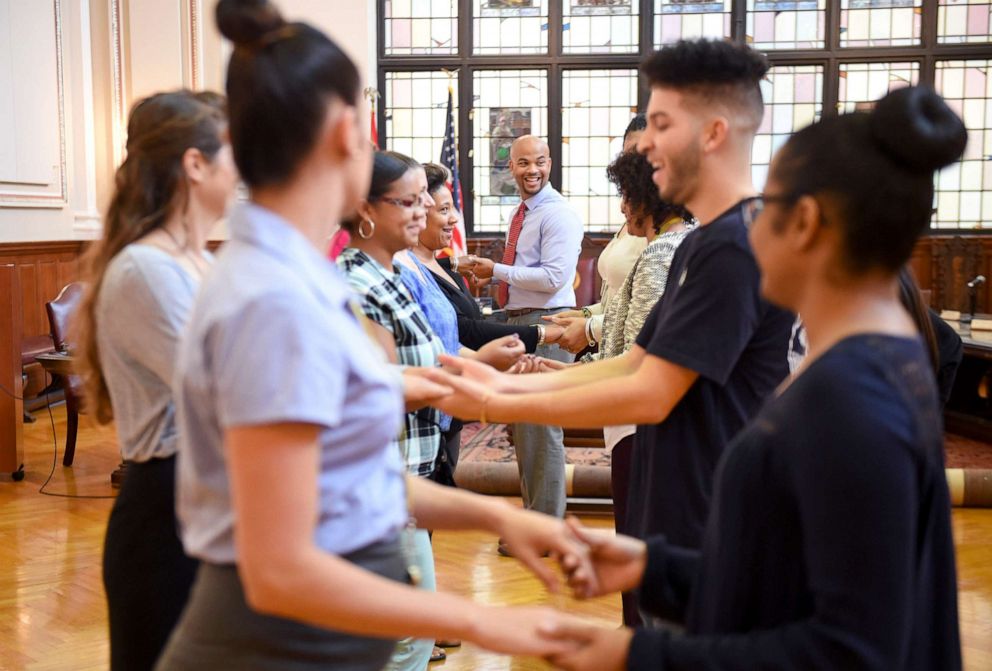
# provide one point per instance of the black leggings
(146, 574)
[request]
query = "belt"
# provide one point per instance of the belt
(526, 311)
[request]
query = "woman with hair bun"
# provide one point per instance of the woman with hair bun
(828, 544)
(292, 493)
(141, 280)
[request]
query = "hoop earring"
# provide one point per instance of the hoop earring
(362, 233)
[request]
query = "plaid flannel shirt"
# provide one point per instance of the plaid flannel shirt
(385, 300)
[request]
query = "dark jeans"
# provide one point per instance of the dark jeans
(146, 574)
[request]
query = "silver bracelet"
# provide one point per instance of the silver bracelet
(454, 262)
(540, 334)
(589, 336)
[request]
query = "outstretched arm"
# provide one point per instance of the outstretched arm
(644, 396)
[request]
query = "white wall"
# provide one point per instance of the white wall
(113, 52)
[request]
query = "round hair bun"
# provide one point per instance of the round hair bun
(916, 127)
(247, 21)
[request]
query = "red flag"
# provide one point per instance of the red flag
(375, 130)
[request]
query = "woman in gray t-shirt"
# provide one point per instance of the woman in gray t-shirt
(143, 277)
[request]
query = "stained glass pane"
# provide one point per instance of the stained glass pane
(599, 26)
(793, 96)
(880, 23)
(964, 190)
(421, 27)
(676, 20)
(507, 104)
(416, 112)
(861, 84)
(503, 27)
(964, 21)
(785, 24)
(597, 105)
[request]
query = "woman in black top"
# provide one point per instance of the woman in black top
(828, 544)
(473, 332)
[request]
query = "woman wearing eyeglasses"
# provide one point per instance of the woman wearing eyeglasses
(421, 325)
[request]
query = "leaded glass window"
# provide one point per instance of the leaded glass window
(597, 105)
(600, 26)
(420, 27)
(504, 27)
(509, 103)
(793, 96)
(964, 189)
(676, 20)
(416, 109)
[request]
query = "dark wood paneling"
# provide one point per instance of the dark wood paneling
(43, 268)
(11, 406)
(943, 264)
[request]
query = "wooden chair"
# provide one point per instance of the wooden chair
(60, 311)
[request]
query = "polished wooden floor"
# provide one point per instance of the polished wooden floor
(52, 611)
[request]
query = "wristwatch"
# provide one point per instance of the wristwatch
(540, 333)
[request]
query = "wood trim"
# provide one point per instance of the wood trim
(11, 406)
(42, 269)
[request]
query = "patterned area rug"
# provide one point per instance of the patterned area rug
(491, 443)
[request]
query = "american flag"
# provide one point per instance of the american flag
(449, 159)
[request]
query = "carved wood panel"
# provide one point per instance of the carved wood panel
(43, 268)
(955, 262)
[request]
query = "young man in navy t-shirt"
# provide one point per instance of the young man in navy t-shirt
(712, 350)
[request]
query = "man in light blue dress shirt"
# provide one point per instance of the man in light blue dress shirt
(540, 280)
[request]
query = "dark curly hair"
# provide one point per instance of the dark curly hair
(714, 71)
(631, 173)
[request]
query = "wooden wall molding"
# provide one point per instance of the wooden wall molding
(45, 196)
(43, 268)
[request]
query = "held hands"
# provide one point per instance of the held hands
(423, 387)
(482, 268)
(614, 563)
(531, 535)
(501, 353)
(584, 647)
(573, 339)
(531, 631)
(593, 648)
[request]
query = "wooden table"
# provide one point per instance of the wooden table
(57, 363)
(969, 410)
(977, 344)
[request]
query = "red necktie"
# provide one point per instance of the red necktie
(510, 252)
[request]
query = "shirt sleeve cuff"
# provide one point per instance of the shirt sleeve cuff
(501, 272)
(647, 649)
(597, 327)
(651, 592)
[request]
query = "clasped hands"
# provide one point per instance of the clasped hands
(594, 563)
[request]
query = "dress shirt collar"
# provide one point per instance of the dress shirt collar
(265, 230)
(535, 201)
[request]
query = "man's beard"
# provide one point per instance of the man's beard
(683, 173)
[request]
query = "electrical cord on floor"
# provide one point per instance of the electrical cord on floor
(55, 454)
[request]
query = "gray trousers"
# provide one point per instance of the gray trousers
(540, 449)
